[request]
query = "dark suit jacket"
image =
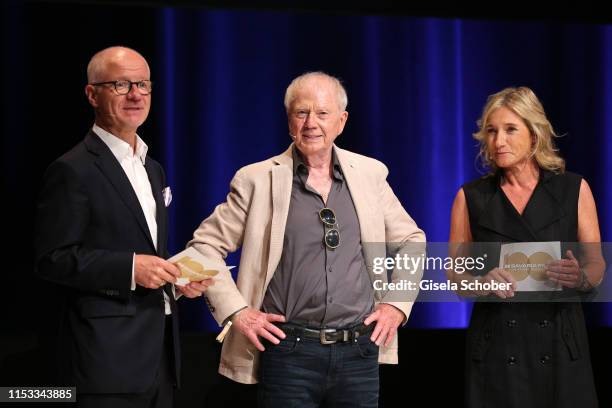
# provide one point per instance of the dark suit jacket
(89, 225)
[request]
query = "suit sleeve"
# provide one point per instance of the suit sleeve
(218, 235)
(62, 221)
(405, 237)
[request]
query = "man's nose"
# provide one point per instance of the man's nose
(134, 93)
(310, 120)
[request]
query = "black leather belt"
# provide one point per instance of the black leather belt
(327, 336)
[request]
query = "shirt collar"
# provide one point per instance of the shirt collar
(299, 165)
(120, 148)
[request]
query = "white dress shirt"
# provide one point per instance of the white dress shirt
(132, 164)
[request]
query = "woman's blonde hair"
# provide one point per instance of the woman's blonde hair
(524, 103)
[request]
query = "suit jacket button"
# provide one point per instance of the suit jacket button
(545, 359)
(512, 360)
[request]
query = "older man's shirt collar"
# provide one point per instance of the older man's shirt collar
(299, 167)
(121, 148)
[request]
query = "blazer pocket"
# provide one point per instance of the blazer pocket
(90, 307)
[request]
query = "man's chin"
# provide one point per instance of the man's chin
(134, 123)
(313, 148)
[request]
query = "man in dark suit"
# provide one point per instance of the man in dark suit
(101, 239)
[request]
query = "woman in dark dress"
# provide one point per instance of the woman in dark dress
(528, 354)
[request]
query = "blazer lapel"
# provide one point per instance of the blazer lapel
(502, 218)
(111, 168)
(282, 177)
(160, 206)
(544, 207)
(371, 222)
(359, 194)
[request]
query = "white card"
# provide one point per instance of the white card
(196, 267)
(526, 261)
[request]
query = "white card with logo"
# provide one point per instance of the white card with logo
(195, 267)
(527, 261)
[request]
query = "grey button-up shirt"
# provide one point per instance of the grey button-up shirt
(313, 285)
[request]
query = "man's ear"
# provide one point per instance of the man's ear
(343, 119)
(90, 92)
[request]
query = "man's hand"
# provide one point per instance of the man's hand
(387, 318)
(565, 272)
(253, 323)
(195, 289)
(153, 272)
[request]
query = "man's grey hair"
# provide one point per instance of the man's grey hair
(341, 96)
(98, 63)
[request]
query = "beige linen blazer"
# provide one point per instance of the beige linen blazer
(254, 218)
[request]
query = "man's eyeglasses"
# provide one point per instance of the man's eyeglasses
(123, 86)
(332, 232)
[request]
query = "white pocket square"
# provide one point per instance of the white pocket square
(167, 193)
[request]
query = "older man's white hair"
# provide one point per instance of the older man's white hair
(341, 96)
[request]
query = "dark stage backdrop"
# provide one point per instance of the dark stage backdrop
(416, 87)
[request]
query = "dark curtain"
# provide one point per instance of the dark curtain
(416, 87)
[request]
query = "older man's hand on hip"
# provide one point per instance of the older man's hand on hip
(253, 323)
(387, 318)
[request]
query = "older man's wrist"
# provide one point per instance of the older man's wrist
(230, 317)
(404, 317)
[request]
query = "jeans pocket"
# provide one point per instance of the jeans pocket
(286, 345)
(367, 348)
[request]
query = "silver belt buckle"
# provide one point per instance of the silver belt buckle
(324, 339)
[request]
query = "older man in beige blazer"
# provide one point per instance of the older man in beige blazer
(308, 222)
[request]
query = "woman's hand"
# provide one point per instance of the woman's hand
(566, 272)
(502, 276)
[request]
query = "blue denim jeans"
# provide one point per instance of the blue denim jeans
(302, 372)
